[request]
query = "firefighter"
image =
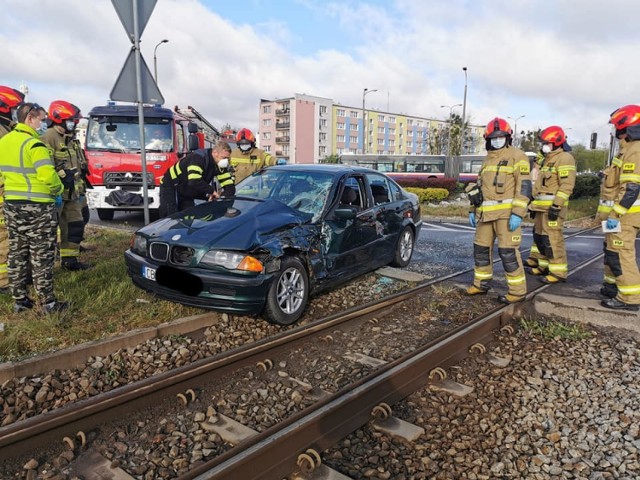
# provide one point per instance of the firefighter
(498, 204)
(10, 100)
(32, 189)
(620, 249)
(71, 165)
(246, 158)
(610, 178)
(551, 194)
(191, 177)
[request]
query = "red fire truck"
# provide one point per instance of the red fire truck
(113, 151)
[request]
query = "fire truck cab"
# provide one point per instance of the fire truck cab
(113, 151)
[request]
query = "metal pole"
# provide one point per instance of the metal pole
(143, 153)
(515, 129)
(464, 112)
(364, 123)
(155, 60)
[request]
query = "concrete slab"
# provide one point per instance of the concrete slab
(365, 359)
(398, 428)
(586, 310)
(452, 387)
(399, 274)
(321, 473)
(229, 430)
(93, 465)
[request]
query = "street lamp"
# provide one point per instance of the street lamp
(464, 111)
(364, 117)
(155, 60)
(515, 128)
(450, 107)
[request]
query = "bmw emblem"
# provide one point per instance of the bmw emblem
(175, 238)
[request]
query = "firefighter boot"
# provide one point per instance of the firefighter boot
(609, 290)
(510, 299)
(538, 271)
(616, 304)
(551, 279)
(473, 290)
(531, 263)
(72, 264)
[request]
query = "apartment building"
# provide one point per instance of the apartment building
(306, 129)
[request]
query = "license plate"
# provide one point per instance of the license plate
(149, 273)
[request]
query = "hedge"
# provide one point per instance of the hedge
(586, 186)
(429, 194)
(447, 183)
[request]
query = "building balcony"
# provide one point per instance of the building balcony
(283, 125)
(283, 139)
(283, 111)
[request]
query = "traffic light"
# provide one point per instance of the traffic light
(594, 140)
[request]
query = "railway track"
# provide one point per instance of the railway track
(329, 414)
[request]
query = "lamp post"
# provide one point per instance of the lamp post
(464, 111)
(155, 60)
(515, 128)
(364, 117)
(450, 107)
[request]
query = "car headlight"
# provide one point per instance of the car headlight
(232, 261)
(139, 245)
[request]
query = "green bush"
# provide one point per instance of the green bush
(429, 194)
(586, 186)
(420, 182)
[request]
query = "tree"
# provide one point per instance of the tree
(529, 141)
(333, 158)
(589, 160)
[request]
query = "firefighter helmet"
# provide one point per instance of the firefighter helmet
(498, 127)
(9, 98)
(626, 116)
(245, 134)
(554, 135)
(59, 111)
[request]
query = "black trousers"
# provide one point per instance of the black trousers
(171, 201)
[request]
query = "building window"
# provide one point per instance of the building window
(340, 151)
(392, 143)
(380, 152)
(266, 109)
(353, 150)
(354, 127)
(419, 124)
(340, 112)
(266, 135)
(323, 122)
(267, 148)
(340, 125)
(340, 138)
(381, 141)
(392, 131)
(409, 144)
(266, 122)
(323, 137)
(355, 114)
(392, 119)
(381, 118)
(380, 129)
(353, 139)
(409, 122)
(323, 109)
(322, 150)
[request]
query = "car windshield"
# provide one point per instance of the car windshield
(122, 134)
(305, 192)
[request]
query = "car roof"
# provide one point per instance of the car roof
(332, 168)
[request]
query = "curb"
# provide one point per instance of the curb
(78, 354)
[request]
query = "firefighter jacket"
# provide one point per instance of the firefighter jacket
(192, 176)
(69, 160)
(4, 129)
(608, 187)
(505, 183)
(555, 181)
(28, 169)
(627, 186)
(246, 163)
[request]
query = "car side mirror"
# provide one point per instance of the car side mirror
(194, 143)
(345, 213)
(192, 127)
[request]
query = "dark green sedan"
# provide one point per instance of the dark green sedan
(290, 232)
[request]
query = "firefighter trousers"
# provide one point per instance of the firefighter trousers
(620, 258)
(4, 250)
(551, 252)
(71, 225)
(509, 251)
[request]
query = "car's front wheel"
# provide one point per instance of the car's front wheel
(289, 292)
(404, 248)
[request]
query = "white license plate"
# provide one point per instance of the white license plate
(149, 273)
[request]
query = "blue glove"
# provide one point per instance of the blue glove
(58, 201)
(612, 223)
(472, 220)
(514, 222)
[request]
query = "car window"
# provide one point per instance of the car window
(396, 193)
(352, 194)
(379, 189)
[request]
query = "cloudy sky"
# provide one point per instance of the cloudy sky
(566, 62)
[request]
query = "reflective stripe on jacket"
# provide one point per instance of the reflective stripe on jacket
(27, 167)
(555, 182)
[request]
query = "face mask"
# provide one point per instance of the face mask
(498, 142)
(223, 163)
(70, 125)
(546, 148)
(42, 128)
(245, 147)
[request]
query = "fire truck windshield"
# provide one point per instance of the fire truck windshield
(122, 134)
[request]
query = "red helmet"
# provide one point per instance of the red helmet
(498, 127)
(59, 111)
(9, 98)
(245, 134)
(625, 117)
(554, 135)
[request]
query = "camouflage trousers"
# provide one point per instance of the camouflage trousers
(32, 240)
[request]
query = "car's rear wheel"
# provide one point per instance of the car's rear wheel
(289, 292)
(404, 248)
(105, 214)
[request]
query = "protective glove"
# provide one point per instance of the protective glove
(532, 214)
(554, 212)
(472, 220)
(514, 222)
(58, 201)
(612, 223)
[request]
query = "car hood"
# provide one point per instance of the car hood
(235, 224)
